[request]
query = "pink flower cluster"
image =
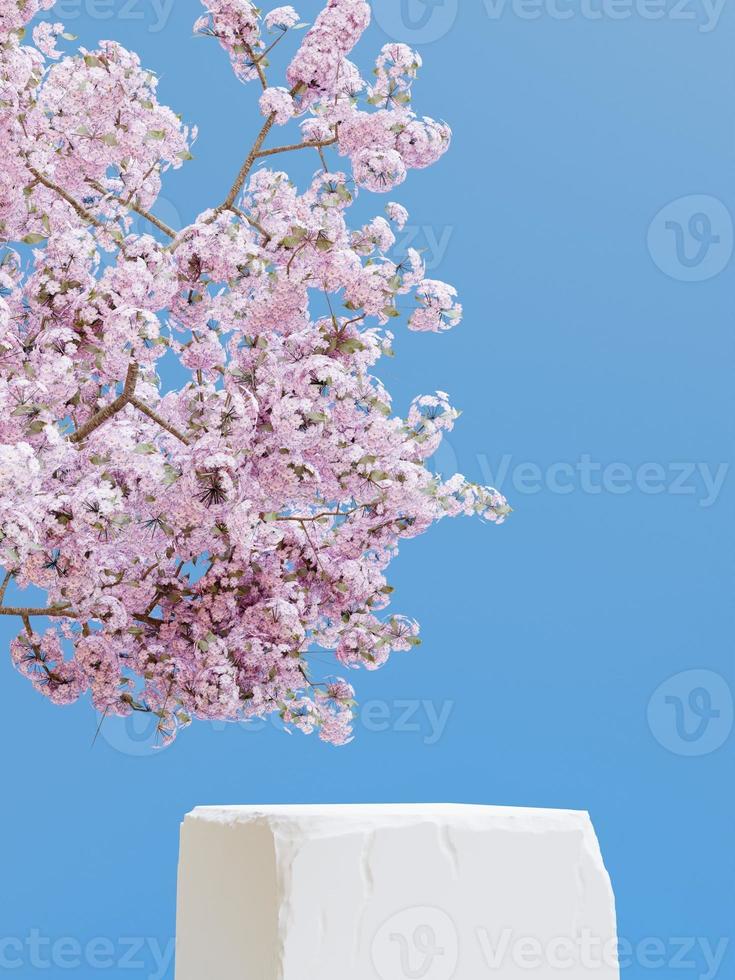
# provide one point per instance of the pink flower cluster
(196, 545)
(235, 25)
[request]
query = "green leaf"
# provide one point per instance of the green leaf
(298, 233)
(171, 474)
(351, 346)
(156, 134)
(34, 238)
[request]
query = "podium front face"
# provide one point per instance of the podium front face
(383, 892)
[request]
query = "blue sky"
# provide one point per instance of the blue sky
(580, 656)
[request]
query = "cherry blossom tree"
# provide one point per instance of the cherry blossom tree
(195, 545)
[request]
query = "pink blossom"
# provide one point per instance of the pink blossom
(397, 214)
(316, 130)
(235, 25)
(282, 17)
(422, 142)
(379, 170)
(321, 59)
(44, 37)
(197, 541)
(395, 69)
(279, 102)
(438, 309)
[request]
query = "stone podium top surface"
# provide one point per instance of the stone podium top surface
(500, 817)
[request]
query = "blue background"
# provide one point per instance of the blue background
(545, 639)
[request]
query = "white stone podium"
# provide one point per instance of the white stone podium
(395, 892)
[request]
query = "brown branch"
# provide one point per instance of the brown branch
(251, 221)
(34, 646)
(253, 155)
(81, 211)
(142, 407)
(28, 628)
(257, 65)
(109, 410)
(297, 146)
(249, 161)
(148, 620)
(55, 611)
(316, 517)
(5, 584)
(134, 207)
(154, 221)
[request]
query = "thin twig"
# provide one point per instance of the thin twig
(4, 587)
(142, 407)
(134, 207)
(251, 221)
(316, 517)
(257, 65)
(297, 146)
(154, 221)
(81, 211)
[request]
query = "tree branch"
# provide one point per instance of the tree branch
(142, 407)
(148, 620)
(296, 146)
(109, 410)
(134, 207)
(253, 155)
(257, 65)
(154, 221)
(81, 211)
(251, 221)
(249, 161)
(326, 513)
(54, 611)
(6, 582)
